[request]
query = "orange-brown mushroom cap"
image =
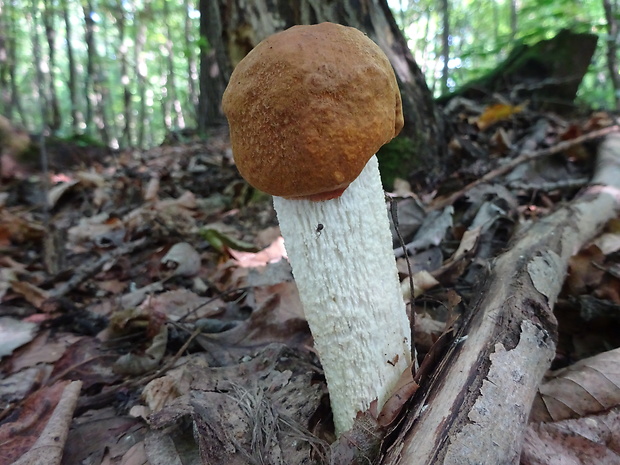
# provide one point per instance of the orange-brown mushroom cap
(308, 107)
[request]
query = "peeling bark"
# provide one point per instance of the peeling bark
(475, 407)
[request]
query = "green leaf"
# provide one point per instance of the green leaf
(219, 241)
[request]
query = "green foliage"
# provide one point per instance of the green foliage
(160, 42)
(159, 21)
(83, 140)
(482, 36)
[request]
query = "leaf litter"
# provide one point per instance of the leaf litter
(167, 295)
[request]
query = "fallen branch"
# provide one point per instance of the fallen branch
(474, 408)
(88, 269)
(523, 158)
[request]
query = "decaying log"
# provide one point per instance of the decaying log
(475, 407)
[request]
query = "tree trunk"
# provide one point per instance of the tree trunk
(37, 56)
(445, 44)
(192, 68)
(54, 118)
(16, 103)
(107, 125)
(243, 28)
(95, 88)
(5, 94)
(612, 47)
(126, 139)
(141, 71)
(514, 15)
(166, 106)
(89, 31)
(76, 116)
(171, 90)
(215, 66)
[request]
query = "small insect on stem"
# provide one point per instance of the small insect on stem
(319, 228)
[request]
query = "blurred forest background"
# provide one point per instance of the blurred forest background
(128, 73)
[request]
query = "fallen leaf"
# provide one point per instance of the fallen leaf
(404, 389)
(272, 254)
(221, 241)
(183, 259)
(591, 440)
(13, 334)
(590, 386)
(33, 294)
(498, 112)
(56, 192)
(585, 271)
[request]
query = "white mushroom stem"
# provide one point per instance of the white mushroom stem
(348, 285)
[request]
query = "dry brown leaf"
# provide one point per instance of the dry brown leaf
(590, 386)
(608, 242)
(404, 389)
(45, 348)
(182, 303)
(585, 270)
(160, 392)
(271, 322)
(591, 440)
(86, 361)
(134, 364)
(152, 188)
(98, 432)
(422, 282)
(257, 408)
(33, 294)
(56, 192)
(19, 227)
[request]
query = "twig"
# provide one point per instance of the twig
(88, 269)
(394, 214)
(105, 397)
(523, 158)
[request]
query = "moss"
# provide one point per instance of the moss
(397, 159)
(82, 140)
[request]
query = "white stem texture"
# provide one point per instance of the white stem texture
(348, 284)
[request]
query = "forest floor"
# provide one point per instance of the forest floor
(149, 315)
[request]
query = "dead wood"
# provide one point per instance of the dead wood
(524, 157)
(88, 269)
(475, 407)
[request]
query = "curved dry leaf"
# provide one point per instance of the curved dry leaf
(422, 282)
(403, 391)
(183, 259)
(134, 364)
(591, 440)
(590, 386)
(56, 192)
(33, 294)
(14, 333)
(272, 254)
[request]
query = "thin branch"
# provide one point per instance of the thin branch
(523, 158)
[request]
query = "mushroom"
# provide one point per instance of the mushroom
(308, 108)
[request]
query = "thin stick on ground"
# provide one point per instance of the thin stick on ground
(523, 158)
